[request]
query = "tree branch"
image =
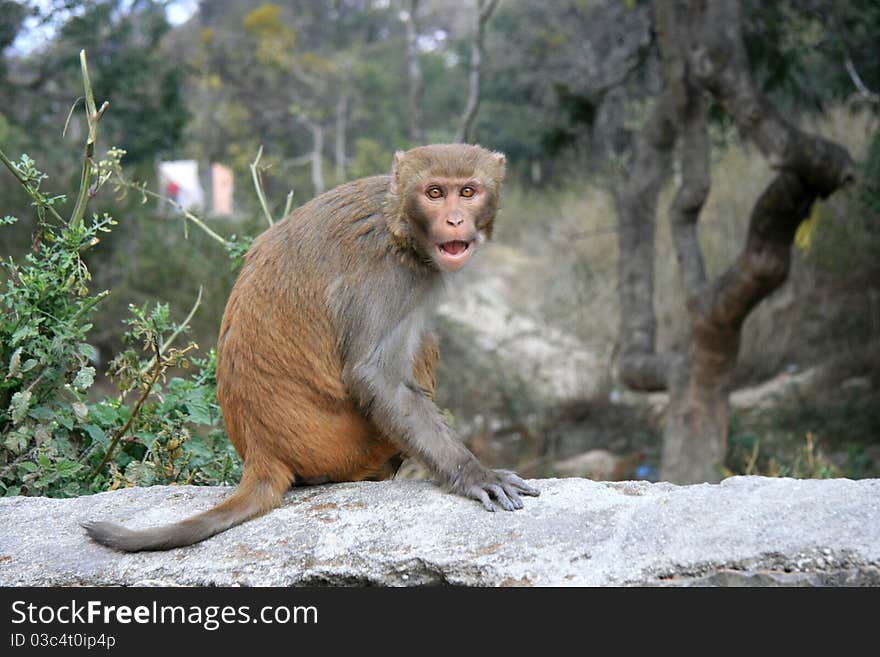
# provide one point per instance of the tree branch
(720, 63)
(764, 262)
(857, 81)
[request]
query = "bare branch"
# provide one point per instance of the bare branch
(857, 80)
(258, 185)
(93, 115)
(148, 387)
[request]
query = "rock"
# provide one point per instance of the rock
(555, 363)
(744, 531)
(599, 465)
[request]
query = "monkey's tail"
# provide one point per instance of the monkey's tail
(254, 496)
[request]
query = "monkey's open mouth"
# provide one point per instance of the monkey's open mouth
(455, 248)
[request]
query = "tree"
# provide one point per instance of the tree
(415, 132)
(485, 9)
(703, 57)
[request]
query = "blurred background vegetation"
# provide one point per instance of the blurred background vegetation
(326, 89)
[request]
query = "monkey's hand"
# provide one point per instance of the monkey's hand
(485, 485)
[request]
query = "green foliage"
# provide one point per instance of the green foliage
(54, 439)
(819, 436)
(780, 457)
(869, 182)
(798, 51)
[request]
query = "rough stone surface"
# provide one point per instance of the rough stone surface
(745, 531)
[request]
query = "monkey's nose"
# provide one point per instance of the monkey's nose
(454, 220)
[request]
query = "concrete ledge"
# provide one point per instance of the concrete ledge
(745, 531)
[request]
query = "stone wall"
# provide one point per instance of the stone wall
(744, 531)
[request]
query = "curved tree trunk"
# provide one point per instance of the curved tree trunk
(702, 51)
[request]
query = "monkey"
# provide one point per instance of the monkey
(325, 365)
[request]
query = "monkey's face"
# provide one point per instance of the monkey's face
(442, 201)
(453, 217)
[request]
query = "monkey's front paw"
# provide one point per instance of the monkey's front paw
(502, 486)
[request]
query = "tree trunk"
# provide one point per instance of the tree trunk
(702, 51)
(414, 97)
(485, 10)
(341, 130)
(317, 156)
(640, 367)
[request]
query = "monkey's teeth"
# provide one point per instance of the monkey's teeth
(454, 247)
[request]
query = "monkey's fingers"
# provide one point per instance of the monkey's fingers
(522, 487)
(500, 497)
(481, 496)
(512, 494)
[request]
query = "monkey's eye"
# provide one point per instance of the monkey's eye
(434, 192)
(468, 191)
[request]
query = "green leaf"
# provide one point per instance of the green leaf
(26, 331)
(199, 411)
(199, 449)
(67, 468)
(65, 419)
(147, 438)
(14, 364)
(18, 408)
(50, 477)
(81, 411)
(29, 364)
(87, 351)
(12, 491)
(104, 414)
(84, 378)
(28, 466)
(16, 442)
(42, 412)
(96, 433)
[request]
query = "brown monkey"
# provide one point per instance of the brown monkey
(325, 371)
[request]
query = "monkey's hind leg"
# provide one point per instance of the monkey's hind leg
(261, 490)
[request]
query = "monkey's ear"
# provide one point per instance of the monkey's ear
(500, 163)
(395, 170)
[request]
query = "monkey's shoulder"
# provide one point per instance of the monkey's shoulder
(329, 229)
(348, 203)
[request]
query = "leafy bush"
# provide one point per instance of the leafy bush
(56, 438)
(54, 442)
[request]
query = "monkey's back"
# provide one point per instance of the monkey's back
(279, 369)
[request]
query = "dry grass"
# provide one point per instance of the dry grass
(571, 238)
